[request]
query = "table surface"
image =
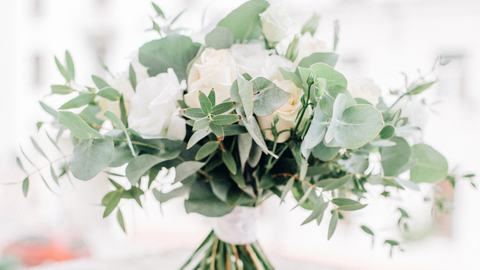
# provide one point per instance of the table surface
(167, 260)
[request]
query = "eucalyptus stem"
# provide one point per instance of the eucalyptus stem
(304, 108)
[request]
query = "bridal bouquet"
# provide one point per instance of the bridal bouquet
(247, 112)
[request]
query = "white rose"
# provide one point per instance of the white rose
(257, 62)
(213, 69)
(154, 110)
(307, 45)
(365, 89)
(287, 112)
(275, 22)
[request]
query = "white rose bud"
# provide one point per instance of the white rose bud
(287, 112)
(275, 23)
(154, 109)
(213, 69)
(307, 45)
(365, 89)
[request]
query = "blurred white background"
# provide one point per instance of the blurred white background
(378, 40)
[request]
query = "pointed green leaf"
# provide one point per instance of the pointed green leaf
(319, 57)
(186, 169)
(206, 150)
(62, 70)
(120, 220)
(112, 203)
(233, 196)
(367, 230)
(334, 183)
(267, 98)
(333, 224)
(311, 25)
(20, 165)
(218, 130)
(109, 93)
(245, 91)
(100, 83)
(114, 118)
(229, 162)
(223, 107)
(197, 136)
(61, 89)
(203, 201)
(25, 185)
(77, 126)
(201, 124)
(140, 165)
(205, 103)
(70, 66)
(420, 88)
(211, 97)
(132, 76)
(194, 113)
(287, 188)
(431, 167)
(226, 119)
(37, 147)
(79, 101)
(288, 75)
(123, 111)
(158, 10)
(49, 110)
(254, 130)
(327, 72)
(338, 107)
(319, 210)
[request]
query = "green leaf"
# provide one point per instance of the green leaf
(140, 165)
(287, 188)
(132, 76)
(220, 187)
(288, 75)
(122, 155)
(25, 185)
(393, 158)
(206, 150)
(431, 167)
(164, 197)
(244, 146)
(201, 124)
(248, 14)
(234, 195)
(417, 89)
(325, 153)
(61, 89)
(173, 51)
(359, 125)
(245, 90)
(239, 179)
(194, 112)
(339, 107)
(110, 94)
(120, 220)
(344, 201)
(367, 230)
(387, 132)
(100, 83)
(62, 70)
(186, 169)
(327, 72)
(133, 193)
(333, 225)
(267, 98)
(392, 242)
(254, 130)
(319, 210)
(226, 119)
(312, 24)
(219, 38)
(205, 103)
(90, 157)
(70, 66)
(218, 130)
(112, 203)
(77, 126)
(223, 107)
(123, 111)
(158, 10)
(319, 57)
(328, 99)
(335, 35)
(232, 130)
(20, 165)
(229, 162)
(49, 110)
(79, 101)
(197, 136)
(211, 96)
(114, 118)
(37, 147)
(203, 201)
(334, 183)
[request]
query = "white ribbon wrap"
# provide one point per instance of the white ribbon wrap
(237, 227)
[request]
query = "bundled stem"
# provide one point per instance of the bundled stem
(213, 254)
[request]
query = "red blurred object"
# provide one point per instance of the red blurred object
(35, 251)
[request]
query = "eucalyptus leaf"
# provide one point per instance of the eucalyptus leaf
(338, 107)
(387, 132)
(203, 201)
(244, 146)
(62, 70)
(112, 203)
(319, 57)
(99, 82)
(332, 225)
(178, 192)
(61, 89)
(325, 153)
(393, 158)
(226, 119)
(206, 150)
(121, 156)
(115, 120)
(223, 107)
(90, 157)
(329, 97)
(77, 126)
(121, 221)
(312, 24)
(25, 186)
(69, 64)
(173, 51)
(219, 38)
(197, 136)
(229, 161)
(288, 75)
(245, 91)
(132, 76)
(417, 89)
(319, 210)
(110, 94)
(431, 167)
(248, 14)
(327, 72)
(334, 183)
(49, 110)
(79, 101)
(267, 97)
(140, 165)
(186, 169)
(359, 125)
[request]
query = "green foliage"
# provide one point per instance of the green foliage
(219, 38)
(311, 25)
(251, 27)
(393, 158)
(267, 98)
(203, 201)
(173, 51)
(79, 101)
(431, 167)
(319, 57)
(90, 157)
(332, 225)
(77, 126)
